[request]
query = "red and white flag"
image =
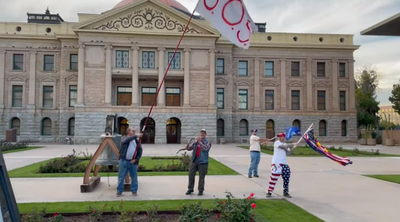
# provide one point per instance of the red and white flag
(230, 18)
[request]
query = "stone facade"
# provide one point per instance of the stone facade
(95, 40)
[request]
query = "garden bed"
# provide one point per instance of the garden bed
(7, 147)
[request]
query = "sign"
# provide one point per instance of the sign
(9, 210)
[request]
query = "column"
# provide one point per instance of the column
(135, 76)
(161, 70)
(283, 84)
(212, 80)
(32, 79)
(335, 89)
(186, 79)
(2, 75)
(310, 98)
(108, 80)
(257, 84)
(81, 75)
(352, 86)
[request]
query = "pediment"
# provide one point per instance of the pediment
(72, 78)
(343, 85)
(296, 84)
(221, 81)
(17, 78)
(145, 16)
(270, 83)
(243, 83)
(47, 79)
(322, 84)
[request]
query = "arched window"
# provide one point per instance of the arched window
(243, 128)
(297, 123)
(344, 128)
(46, 127)
(16, 124)
(270, 126)
(71, 126)
(322, 128)
(220, 127)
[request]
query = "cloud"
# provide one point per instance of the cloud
(301, 16)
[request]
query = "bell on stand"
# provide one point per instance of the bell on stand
(107, 158)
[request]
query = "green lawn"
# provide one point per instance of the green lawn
(308, 152)
(22, 149)
(267, 210)
(389, 178)
(214, 168)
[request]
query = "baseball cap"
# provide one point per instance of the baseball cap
(254, 130)
(281, 135)
(203, 130)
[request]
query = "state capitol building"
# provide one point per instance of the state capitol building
(61, 79)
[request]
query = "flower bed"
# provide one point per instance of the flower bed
(229, 210)
(6, 146)
(74, 163)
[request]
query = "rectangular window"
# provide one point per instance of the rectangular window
(295, 99)
(122, 59)
(295, 69)
(269, 69)
(320, 69)
(342, 95)
(173, 97)
(18, 62)
(73, 62)
(243, 99)
(220, 66)
(269, 99)
(243, 71)
(124, 96)
(17, 92)
(48, 64)
(321, 100)
(73, 95)
(220, 98)
(176, 63)
(342, 69)
(148, 60)
(48, 96)
(148, 95)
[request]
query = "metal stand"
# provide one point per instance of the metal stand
(89, 183)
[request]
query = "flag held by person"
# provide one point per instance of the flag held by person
(230, 18)
(313, 143)
(292, 131)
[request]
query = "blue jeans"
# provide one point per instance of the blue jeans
(124, 167)
(255, 160)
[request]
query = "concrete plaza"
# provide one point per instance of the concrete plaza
(318, 185)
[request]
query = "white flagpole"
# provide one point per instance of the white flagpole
(309, 128)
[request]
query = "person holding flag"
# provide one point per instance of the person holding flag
(255, 152)
(279, 166)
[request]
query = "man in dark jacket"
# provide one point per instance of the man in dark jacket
(129, 161)
(200, 148)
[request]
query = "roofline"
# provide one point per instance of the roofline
(384, 22)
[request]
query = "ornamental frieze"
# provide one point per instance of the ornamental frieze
(146, 18)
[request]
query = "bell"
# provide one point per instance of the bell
(107, 157)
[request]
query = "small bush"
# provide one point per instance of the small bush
(232, 209)
(5, 146)
(34, 216)
(193, 212)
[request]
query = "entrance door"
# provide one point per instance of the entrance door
(149, 133)
(123, 125)
(124, 96)
(173, 130)
(270, 132)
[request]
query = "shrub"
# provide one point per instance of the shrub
(193, 212)
(236, 210)
(152, 214)
(60, 165)
(56, 218)
(35, 215)
(96, 214)
(5, 146)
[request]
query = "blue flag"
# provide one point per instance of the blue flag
(292, 131)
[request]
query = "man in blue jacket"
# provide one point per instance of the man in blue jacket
(200, 148)
(129, 161)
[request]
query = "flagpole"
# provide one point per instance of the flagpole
(162, 82)
(309, 128)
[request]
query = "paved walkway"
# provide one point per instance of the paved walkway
(318, 185)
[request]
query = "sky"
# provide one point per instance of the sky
(299, 16)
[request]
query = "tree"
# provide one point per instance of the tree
(395, 98)
(367, 107)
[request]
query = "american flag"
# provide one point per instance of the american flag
(312, 142)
